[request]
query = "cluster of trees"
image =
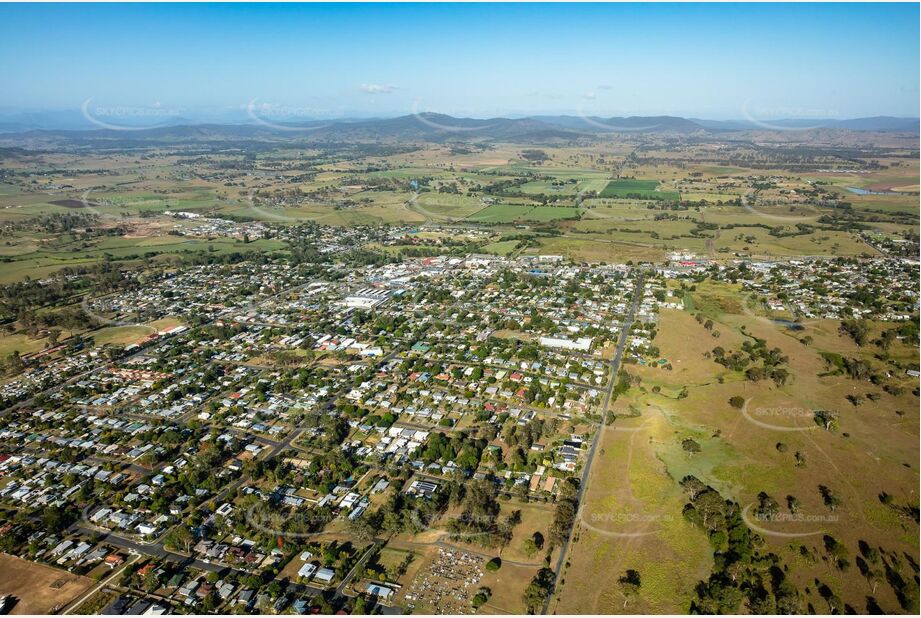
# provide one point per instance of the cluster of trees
(11, 364)
(405, 513)
(567, 506)
(858, 330)
(538, 590)
(752, 352)
(529, 433)
(56, 223)
(479, 521)
(20, 298)
(741, 573)
(464, 451)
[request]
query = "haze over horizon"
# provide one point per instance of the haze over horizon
(220, 62)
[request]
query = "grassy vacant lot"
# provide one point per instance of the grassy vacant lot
(632, 520)
(21, 343)
(502, 247)
(874, 451)
(39, 589)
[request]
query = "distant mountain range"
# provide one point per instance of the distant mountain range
(424, 126)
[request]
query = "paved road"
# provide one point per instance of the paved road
(583, 485)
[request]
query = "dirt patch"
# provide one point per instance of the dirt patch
(38, 589)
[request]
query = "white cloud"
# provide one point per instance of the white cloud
(378, 88)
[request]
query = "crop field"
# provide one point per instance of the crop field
(629, 217)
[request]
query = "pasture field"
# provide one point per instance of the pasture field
(507, 586)
(631, 188)
(349, 190)
(448, 205)
(535, 517)
(512, 213)
(641, 459)
(632, 520)
(502, 247)
(65, 252)
(596, 249)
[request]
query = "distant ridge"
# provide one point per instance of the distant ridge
(874, 123)
(427, 126)
(651, 124)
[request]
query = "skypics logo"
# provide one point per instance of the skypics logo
(785, 118)
(429, 120)
(629, 524)
(127, 118)
(595, 120)
(766, 522)
(283, 117)
(769, 417)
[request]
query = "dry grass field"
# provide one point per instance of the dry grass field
(634, 480)
(39, 589)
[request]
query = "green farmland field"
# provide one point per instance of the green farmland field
(510, 213)
(644, 189)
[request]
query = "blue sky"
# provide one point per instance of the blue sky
(705, 60)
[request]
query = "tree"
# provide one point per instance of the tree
(151, 580)
(180, 537)
(538, 590)
(856, 330)
(529, 547)
(830, 497)
(737, 402)
(767, 508)
(827, 419)
(691, 446)
(481, 597)
(538, 539)
(56, 519)
(630, 584)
